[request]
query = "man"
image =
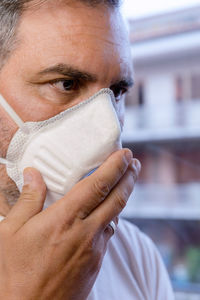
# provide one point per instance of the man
(54, 55)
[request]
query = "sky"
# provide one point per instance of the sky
(141, 8)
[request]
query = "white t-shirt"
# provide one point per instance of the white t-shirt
(132, 269)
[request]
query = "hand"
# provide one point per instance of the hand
(57, 253)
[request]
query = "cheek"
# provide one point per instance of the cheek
(7, 130)
(8, 188)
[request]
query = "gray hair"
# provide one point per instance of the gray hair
(10, 13)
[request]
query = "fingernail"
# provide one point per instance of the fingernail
(136, 164)
(129, 156)
(28, 178)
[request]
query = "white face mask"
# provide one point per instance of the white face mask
(67, 147)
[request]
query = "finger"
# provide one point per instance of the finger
(117, 199)
(95, 188)
(109, 232)
(31, 200)
(4, 206)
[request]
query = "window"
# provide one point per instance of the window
(195, 86)
(179, 88)
(141, 99)
(136, 95)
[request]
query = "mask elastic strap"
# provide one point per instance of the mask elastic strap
(14, 117)
(4, 161)
(11, 112)
(2, 218)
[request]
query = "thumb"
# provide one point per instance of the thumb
(31, 200)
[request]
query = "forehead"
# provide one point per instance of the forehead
(75, 33)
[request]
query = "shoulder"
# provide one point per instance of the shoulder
(137, 246)
(132, 237)
(143, 259)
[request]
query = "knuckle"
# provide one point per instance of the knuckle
(121, 168)
(90, 241)
(83, 214)
(93, 252)
(130, 186)
(101, 188)
(110, 231)
(117, 220)
(28, 195)
(93, 246)
(134, 171)
(96, 258)
(131, 178)
(135, 177)
(121, 199)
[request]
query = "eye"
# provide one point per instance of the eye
(66, 85)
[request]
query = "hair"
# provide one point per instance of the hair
(10, 13)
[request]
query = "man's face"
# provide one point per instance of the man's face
(65, 54)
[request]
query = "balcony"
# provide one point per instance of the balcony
(159, 201)
(180, 121)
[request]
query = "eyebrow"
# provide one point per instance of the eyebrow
(124, 83)
(67, 70)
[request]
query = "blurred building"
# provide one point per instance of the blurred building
(163, 130)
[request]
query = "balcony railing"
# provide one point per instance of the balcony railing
(156, 201)
(163, 121)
